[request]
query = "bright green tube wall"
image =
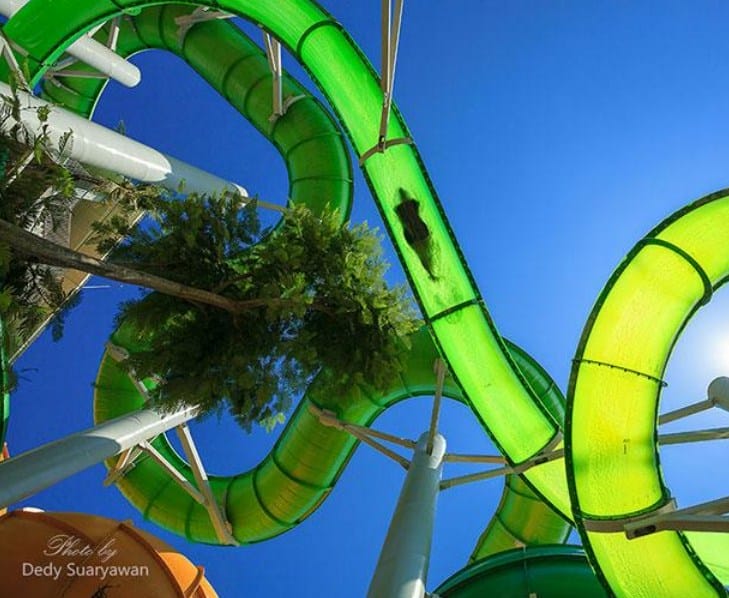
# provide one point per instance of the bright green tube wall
(612, 453)
(516, 421)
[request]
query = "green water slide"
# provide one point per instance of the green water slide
(235, 66)
(492, 383)
(613, 458)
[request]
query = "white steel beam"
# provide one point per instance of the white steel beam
(694, 436)
(273, 54)
(30, 472)
(704, 517)
(521, 468)
(222, 526)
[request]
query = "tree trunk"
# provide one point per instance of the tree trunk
(45, 251)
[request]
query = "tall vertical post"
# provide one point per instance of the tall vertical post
(402, 568)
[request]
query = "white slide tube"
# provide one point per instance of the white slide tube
(88, 50)
(98, 146)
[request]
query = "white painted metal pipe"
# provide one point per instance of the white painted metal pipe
(402, 569)
(88, 50)
(95, 145)
(33, 471)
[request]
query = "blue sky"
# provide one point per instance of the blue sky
(556, 134)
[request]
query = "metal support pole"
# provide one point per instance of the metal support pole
(36, 470)
(402, 568)
(273, 53)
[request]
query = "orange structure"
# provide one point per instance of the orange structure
(78, 555)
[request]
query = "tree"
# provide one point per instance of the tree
(238, 317)
(310, 297)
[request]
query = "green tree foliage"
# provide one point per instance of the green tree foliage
(243, 317)
(310, 296)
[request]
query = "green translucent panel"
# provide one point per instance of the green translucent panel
(644, 311)
(450, 284)
(550, 480)
(613, 446)
(713, 548)
(284, 498)
(251, 523)
(522, 519)
(649, 567)
(287, 20)
(703, 234)
(349, 84)
(496, 393)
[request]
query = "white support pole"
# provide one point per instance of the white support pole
(717, 395)
(402, 568)
(88, 50)
(97, 146)
(439, 370)
(389, 46)
(222, 527)
(273, 53)
(694, 436)
(33, 471)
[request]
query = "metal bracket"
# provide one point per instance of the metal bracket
(366, 435)
(705, 517)
(382, 146)
(273, 54)
(6, 49)
(389, 46)
(540, 459)
(201, 14)
(611, 526)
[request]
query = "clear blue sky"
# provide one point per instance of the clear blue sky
(556, 134)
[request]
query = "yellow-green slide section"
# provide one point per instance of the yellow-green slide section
(615, 386)
(317, 163)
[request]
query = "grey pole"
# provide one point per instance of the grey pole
(402, 568)
(37, 469)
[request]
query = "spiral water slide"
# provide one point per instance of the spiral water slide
(488, 377)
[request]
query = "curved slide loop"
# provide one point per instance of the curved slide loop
(305, 463)
(521, 519)
(497, 391)
(612, 453)
(310, 143)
